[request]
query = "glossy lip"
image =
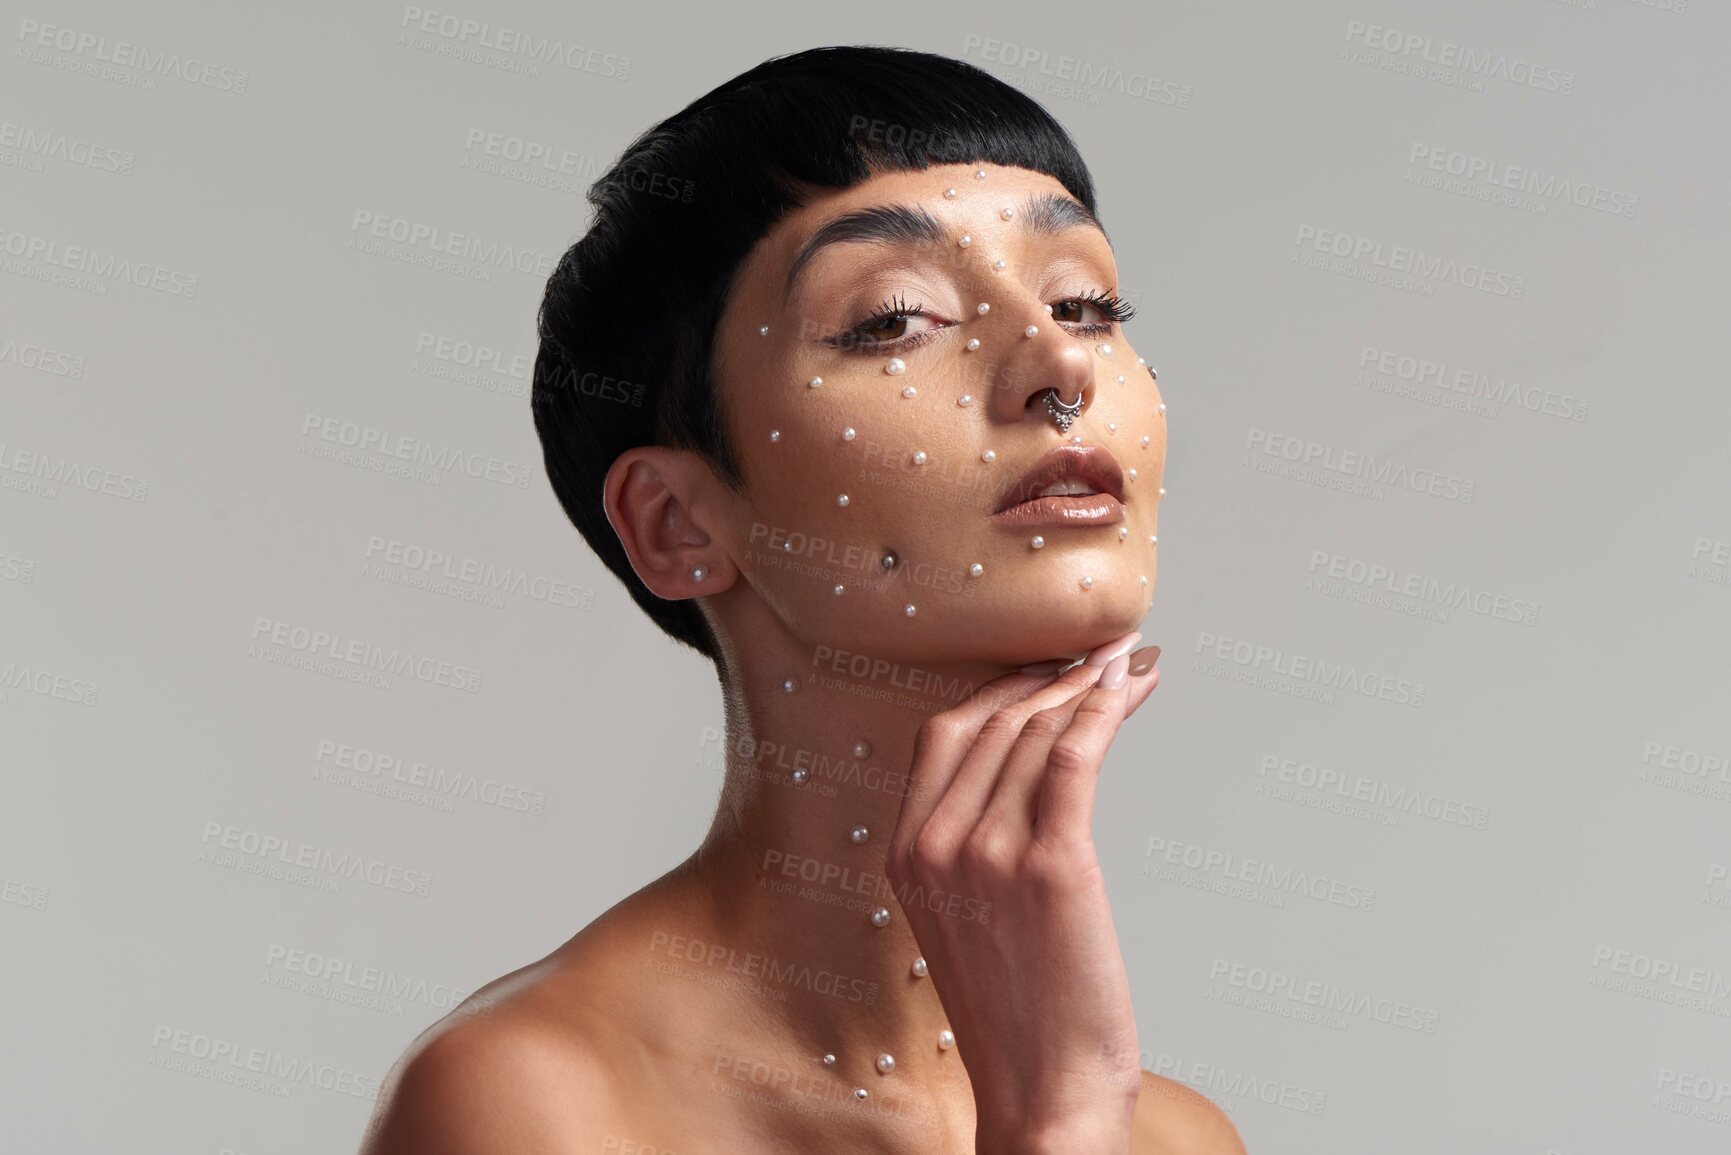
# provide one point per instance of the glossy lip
(1074, 509)
(1090, 464)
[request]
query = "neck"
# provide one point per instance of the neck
(786, 876)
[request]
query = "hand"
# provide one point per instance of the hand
(1000, 811)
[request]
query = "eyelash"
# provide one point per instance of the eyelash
(1115, 308)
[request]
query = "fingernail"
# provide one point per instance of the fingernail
(1113, 675)
(1051, 665)
(1111, 650)
(1143, 660)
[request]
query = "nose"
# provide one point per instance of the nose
(1027, 366)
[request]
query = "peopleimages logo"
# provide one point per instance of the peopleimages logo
(1413, 262)
(294, 853)
(1448, 54)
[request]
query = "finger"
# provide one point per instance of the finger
(971, 786)
(1066, 807)
(1015, 798)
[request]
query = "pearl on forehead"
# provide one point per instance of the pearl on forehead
(860, 1092)
(982, 308)
(895, 366)
(1006, 212)
(1000, 264)
(973, 344)
(965, 241)
(1153, 539)
(1037, 541)
(841, 499)
(847, 434)
(989, 455)
(909, 391)
(829, 1060)
(1104, 348)
(815, 382)
(950, 193)
(965, 400)
(976, 570)
(980, 174)
(1030, 330)
(1087, 583)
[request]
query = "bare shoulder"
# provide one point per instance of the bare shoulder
(1172, 1119)
(493, 1078)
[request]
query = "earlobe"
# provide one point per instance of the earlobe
(667, 548)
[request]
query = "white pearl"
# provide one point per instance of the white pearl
(1141, 361)
(1142, 578)
(1120, 378)
(1030, 330)
(775, 435)
(989, 455)
(886, 1063)
(919, 457)
(909, 609)
(1087, 583)
(919, 967)
(859, 834)
(950, 193)
(841, 499)
(829, 1060)
(983, 308)
(1007, 213)
(946, 1040)
(839, 589)
(1153, 538)
(698, 573)
(881, 916)
(789, 684)
(1132, 473)
(1111, 427)
(1038, 542)
(1162, 491)
(763, 330)
(1123, 532)
(862, 748)
(1144, 439)
(1162, 406)
(1000, 264)
(1104, 349)
(847, 434)
(965, 240)
(980, 174)
(787, 546)
(1075, 439)
(976, 570)
(1048, 310)
(799, 776)
(965, 400)
(860, 1092)
(888, 560)
(815, 382)
(895, 365)
(973, 344)
(909, 391)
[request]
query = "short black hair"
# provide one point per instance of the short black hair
(627, 323)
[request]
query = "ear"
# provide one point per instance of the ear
(648, 498)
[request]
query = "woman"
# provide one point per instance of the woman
(835, 385)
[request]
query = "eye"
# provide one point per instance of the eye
(1111, 310)
(895, 325)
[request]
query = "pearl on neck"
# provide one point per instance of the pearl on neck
(919, 967)
(841, 499)
(848, 434)
(881, 916)
(976, 570)
(886, 1063)
(989, 456)
(775, 435)
(946, 1040)
(858, 835)
(862, 748)
(815, 382)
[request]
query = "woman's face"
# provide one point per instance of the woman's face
(888, 314)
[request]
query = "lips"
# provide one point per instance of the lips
(1093, 466)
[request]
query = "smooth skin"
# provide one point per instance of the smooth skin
(690, 1017)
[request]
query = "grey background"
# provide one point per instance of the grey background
(137, 707)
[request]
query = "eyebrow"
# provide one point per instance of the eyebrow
(1041, 214)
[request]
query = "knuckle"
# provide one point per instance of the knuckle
(1070, 758)
(933, 852)
(1000, 727)
(1048, 723)
(990, 849)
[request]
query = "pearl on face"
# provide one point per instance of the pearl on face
(789, 685)
(950, 193)
(862, 749)
(919, 457)
(1153, 539)
(989, 456)
(1120, 378)
(881, 916)
(919, 968)
(814, 382)
(889, 559)
(763, 330)
(1075, 439)
(982, 308)
(1104, 349)
(860, 1092)
(966, 240)
(965, 400)
(1006, 212)
(910, 392)
(1111, 427)
(1000, 264)
(886, 1063)
(799, 776)
(1132, 473)
(973, 344)
(976, 570)
(829, 1060)
(1144, 439)
(895, 366)
(1037, 542)
(946, 1040)
(858, 835)
(848, 434)
(909, 609)
(1048, 310)
(1162, 407)
(839, 589)
(1087, 583)
(1030, 330)
(1162, 491)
